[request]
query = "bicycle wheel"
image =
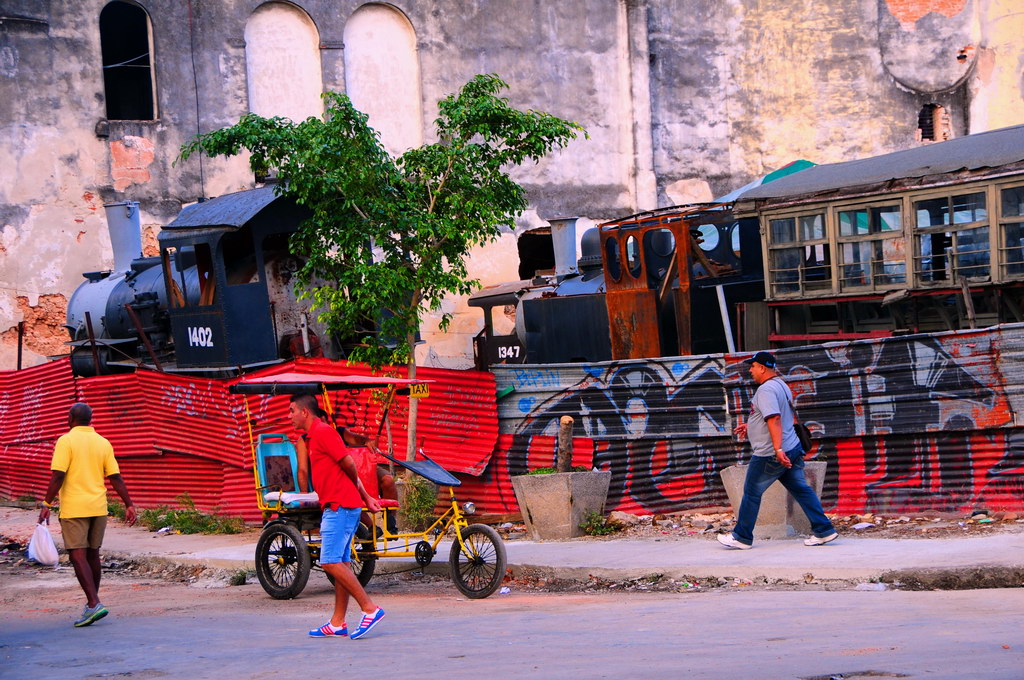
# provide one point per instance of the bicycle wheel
(362, 562)
(282, 561)
(478, 570)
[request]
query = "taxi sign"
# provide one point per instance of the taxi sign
(419, 390)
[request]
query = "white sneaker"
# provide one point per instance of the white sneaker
(822, 540)
(729, 541)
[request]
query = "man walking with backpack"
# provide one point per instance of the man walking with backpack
(776, 455)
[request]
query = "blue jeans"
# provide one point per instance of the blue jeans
(761, 473)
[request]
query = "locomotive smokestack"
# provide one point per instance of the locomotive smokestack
(563, 240)
(125, 233)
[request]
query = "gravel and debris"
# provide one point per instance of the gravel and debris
(707, 522)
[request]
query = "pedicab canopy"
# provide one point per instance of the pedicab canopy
(316, 383)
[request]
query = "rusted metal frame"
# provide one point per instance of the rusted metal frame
(143, 336)
(684, 249)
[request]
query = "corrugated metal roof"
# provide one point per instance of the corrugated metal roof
(982, 150)
(229, 210)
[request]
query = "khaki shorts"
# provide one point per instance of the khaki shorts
(83, 532)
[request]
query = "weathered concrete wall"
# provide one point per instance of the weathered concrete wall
(682, 100)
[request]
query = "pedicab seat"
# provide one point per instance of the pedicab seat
(278, 468)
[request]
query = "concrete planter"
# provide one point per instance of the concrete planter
(554, 505)
(780, 516)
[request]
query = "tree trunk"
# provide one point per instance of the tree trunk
(564, 463)
(410, 447)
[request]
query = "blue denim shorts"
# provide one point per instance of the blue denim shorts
(337, 527)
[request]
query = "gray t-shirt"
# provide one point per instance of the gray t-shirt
(771, 398)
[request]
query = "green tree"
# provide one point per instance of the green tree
(388, 237)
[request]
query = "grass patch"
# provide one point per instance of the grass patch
(551, 470)
(596, 524)
(239, 578)
(115, 510)
(25, 499)
(187, 519)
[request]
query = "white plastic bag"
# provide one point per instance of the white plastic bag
(41, 548)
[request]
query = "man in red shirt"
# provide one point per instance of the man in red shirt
(342, 498)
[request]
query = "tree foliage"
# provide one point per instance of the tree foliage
(388, 238)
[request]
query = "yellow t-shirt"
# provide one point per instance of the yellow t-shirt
(87, 459)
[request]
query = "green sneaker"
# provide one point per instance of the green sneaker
(91, 615)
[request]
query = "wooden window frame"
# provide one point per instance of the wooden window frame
(1003, 221)
(803, 285)
(918, 233)
(871, 237)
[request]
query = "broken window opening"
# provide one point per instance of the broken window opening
(127, 48)
(933, 124)
(536, 253)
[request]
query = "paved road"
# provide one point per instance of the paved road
(161, 630)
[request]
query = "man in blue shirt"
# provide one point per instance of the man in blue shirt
(777, 455)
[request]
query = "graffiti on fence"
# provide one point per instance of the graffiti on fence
(912, 423)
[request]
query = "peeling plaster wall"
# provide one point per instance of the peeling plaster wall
(682, 99)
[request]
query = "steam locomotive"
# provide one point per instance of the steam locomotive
(669, 282)
(218, 299)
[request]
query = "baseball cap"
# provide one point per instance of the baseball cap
(763, 358)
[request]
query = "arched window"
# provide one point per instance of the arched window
(126, 42)
(282, 63)
(382, 74)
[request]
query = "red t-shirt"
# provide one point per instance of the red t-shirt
(326, 450)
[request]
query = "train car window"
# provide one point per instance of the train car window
(239, 255)
(952, 238)
(174, 295)
(659, 247)
(611, 258)
(800, 258)
(204, 270)
(1011, 224)
(708, 237)
(872, 248)
(633, 256)
(661, 242)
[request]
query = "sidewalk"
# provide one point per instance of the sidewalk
(849, 560)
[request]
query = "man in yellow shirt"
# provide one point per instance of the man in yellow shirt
(82, 459)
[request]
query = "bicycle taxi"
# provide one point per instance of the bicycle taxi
(289, 545)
